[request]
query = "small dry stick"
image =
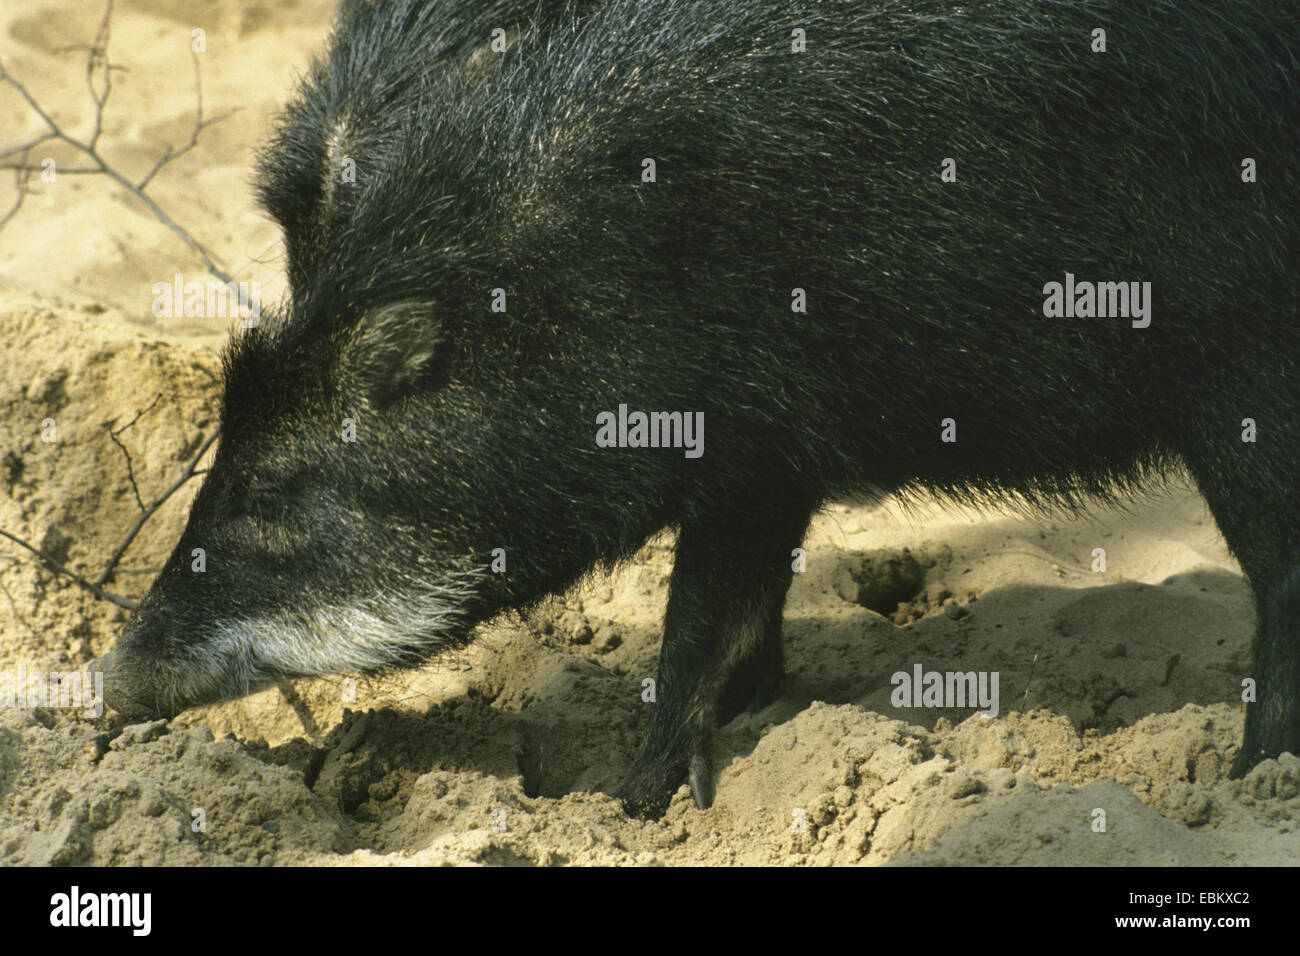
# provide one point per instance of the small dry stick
(186, 475)
(73, 575)
(130, 465)
(1024, 700)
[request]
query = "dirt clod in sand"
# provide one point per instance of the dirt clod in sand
(1117, 721)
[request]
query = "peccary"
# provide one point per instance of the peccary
(523, 262)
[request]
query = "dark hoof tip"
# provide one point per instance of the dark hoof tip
(702, 781)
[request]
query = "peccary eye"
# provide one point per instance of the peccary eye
(268, 499)
(251, 499)
(236, 501)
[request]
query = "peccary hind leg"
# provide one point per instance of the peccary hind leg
(1273, 721)
(1252, 491)
(721, 646)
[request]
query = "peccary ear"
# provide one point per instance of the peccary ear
(395, 350)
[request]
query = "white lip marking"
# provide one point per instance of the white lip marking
(393, 628)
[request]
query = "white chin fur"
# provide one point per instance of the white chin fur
(391, 628)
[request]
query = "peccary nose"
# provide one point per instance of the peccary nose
(123, 693)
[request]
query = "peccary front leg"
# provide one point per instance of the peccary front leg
(721, 646)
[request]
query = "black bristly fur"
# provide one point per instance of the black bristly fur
(817, 170)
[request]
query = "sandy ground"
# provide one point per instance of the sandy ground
(1119, 689)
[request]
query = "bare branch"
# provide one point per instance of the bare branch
(95, 587)
(73, 575)
(29, 169)
(148, 512)
(36, 108)
(27, 147)
(200, 124)
(138, 415)
(130, 465)
(99, 54)
(130, 469)
(21, 175)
